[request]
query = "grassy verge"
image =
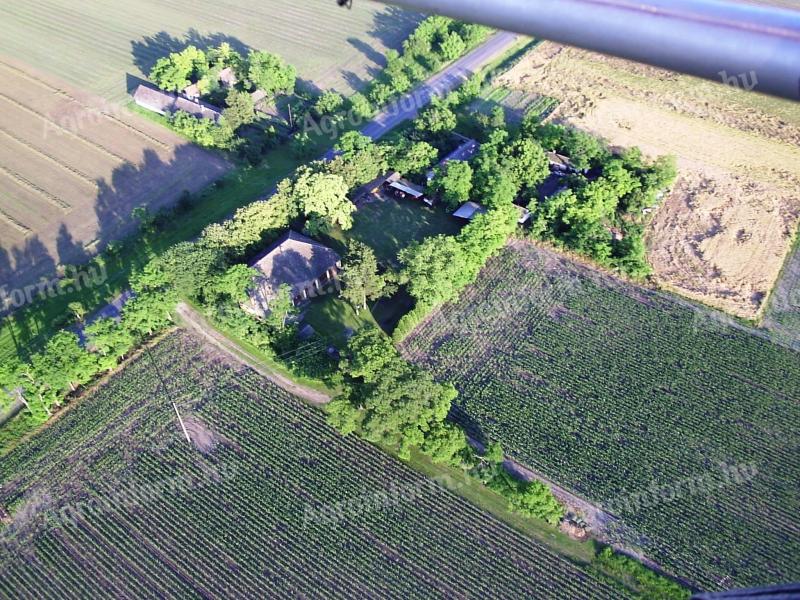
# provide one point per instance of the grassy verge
(250, 353)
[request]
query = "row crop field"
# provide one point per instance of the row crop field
(681, 424)
(111, 501)
(101, 43)
(72, 167)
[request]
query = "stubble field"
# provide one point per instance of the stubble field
(100, 42)
(72, 167)
(723, 234)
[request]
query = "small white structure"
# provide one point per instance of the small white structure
(469, 210)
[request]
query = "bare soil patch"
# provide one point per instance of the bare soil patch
(724, 232)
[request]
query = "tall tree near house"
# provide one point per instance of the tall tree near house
(240, 110)
(360, 276)
(323, 199)
(454, 182)
(281, 307)
(269, 72)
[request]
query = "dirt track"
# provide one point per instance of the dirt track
(198, 325)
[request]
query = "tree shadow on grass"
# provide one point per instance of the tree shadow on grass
(152, 47)
(392, 25)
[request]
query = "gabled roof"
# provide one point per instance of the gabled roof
(164, 102)
(468, 210)
(156, 100)
(408, 188)
(227, 77)
(296, 260)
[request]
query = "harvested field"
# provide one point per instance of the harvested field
(100, 42)
(674, 418)
(72, 167)
(723, 234)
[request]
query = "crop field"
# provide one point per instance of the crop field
(517, 104)
(782, 318)
(110, 500)
(723, 234)
(101, 42)
(678, 422)
(71, 170)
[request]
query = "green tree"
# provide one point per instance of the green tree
(323, 199)
(175, 72)
(329, 103)
(269, 72)
(240, 110)
(110, 340)
(281, 308)
(433, 269)
(454, 182)
(360, 276)
(436, 119)
(446, 443)
(452, 46)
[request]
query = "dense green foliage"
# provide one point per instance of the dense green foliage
(113, 501)
(648, 583)
(680, 424)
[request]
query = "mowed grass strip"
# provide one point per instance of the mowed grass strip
(637, 401)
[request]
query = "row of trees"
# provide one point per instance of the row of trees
(394, 404)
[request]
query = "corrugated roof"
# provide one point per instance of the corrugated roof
(468, 210)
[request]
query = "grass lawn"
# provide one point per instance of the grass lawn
(390, 225)
(332, 318)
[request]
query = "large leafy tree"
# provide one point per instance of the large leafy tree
(454, 182)
(269, 72)
(360, 276)
(240, 110)
(175, 72)
(433, 269)
(323, 199)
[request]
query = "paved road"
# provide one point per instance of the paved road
(441, 84)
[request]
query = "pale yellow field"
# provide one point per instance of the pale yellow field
(723, 234)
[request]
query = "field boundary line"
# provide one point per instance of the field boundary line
(82, 176)
(84, 140)
(23, 229)
(85, 106)
(50, 198)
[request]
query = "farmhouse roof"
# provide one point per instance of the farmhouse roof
(227, 77)
(165, 102)
(408, 188)
(466, 151)
(156, 100)
(296, 260)
(558, 161)
(468, 210)
(192, 91)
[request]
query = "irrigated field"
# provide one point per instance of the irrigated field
(100, 42)
(71, 170)
(723, 234)
(111, 501)
(680, 424)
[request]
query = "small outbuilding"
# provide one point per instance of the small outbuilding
(402, 188)
(469, 210)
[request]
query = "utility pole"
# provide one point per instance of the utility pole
(164, 388)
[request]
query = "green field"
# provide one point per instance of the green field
(99, 42)
(637, 402)
(110, 500)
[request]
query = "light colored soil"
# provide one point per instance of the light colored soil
(724, 232)
(72, 167)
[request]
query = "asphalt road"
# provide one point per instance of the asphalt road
(441, 84)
